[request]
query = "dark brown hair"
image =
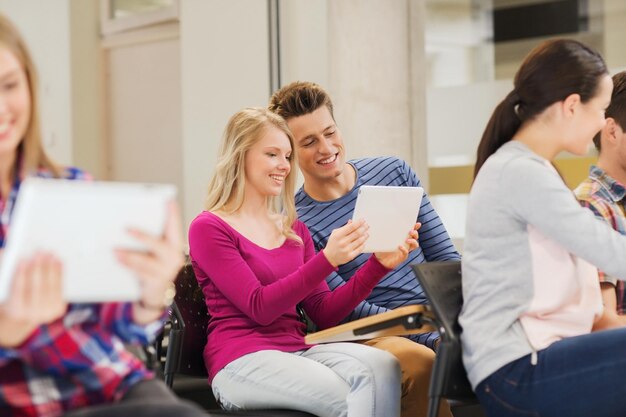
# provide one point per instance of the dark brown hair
(299, 98)
(550, 73)
(617, 108)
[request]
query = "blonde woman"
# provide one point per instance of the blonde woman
(59, 359)
(255, 262)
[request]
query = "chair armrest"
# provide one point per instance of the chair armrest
(174, 345)
(400, 321)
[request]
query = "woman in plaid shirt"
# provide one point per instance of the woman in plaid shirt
(69, 360)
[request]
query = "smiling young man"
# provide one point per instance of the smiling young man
(604, 191)
(326, 201)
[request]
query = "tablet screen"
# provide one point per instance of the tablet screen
(82, 223)
(390, 211)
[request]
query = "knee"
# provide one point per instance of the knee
(385, 365)
(416, 361)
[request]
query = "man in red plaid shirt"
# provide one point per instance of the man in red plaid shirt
(604, 191)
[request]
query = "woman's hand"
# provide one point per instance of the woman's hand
(156, 269)
(36, 298)
(609, 319)
(390, 260)
(346, 242)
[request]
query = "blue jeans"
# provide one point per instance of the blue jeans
(332, 380)
(582, 376)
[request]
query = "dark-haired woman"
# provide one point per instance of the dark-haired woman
(531, 296)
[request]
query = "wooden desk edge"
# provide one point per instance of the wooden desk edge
(345, 331)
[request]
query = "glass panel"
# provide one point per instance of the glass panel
(470, 41)
(459, 42)
(125, 8)
(124, 15)
(473, 49)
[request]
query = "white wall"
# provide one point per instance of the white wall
(304, 41)
(144, 112)
(87, 80)
(614, 32)
(457, 117)
(224, 67)
(369, 55)
(370, 76)
(63, 38)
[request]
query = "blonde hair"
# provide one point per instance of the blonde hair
(226, 189)
(33, 155)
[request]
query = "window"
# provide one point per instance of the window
(123, 15)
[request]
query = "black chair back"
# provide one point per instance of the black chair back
(188, 329)
(186, 340)
(193, 311)
(441, 282)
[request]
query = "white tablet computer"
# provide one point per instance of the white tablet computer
(391, 212)
(82, 223)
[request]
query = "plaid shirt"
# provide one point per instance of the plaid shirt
(76, 361)
(6, 204)
(606, 197)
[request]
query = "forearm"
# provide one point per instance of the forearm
(219, 257)
(365, 309)
(433, 237)
(144, 315)
(609, 320)
(145, 312)
(130, 324)
(330, 307)
(566, 221)
(263, 303)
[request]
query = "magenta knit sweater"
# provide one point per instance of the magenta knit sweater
(251, 292)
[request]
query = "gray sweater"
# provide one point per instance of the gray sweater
(514, 192)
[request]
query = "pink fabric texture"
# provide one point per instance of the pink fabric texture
(566, 297)
(251, 292)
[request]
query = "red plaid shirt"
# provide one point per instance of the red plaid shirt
(605, 197)
(76, 361)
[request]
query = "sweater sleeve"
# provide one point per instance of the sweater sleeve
(327, 308)
(434, 240)
(542, 199)
(602, 212)
(364, 308)
(215, 251)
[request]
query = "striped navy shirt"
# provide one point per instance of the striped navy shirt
(399, 287)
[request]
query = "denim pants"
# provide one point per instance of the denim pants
(582, 376)
(332, 380)
(416, 363)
